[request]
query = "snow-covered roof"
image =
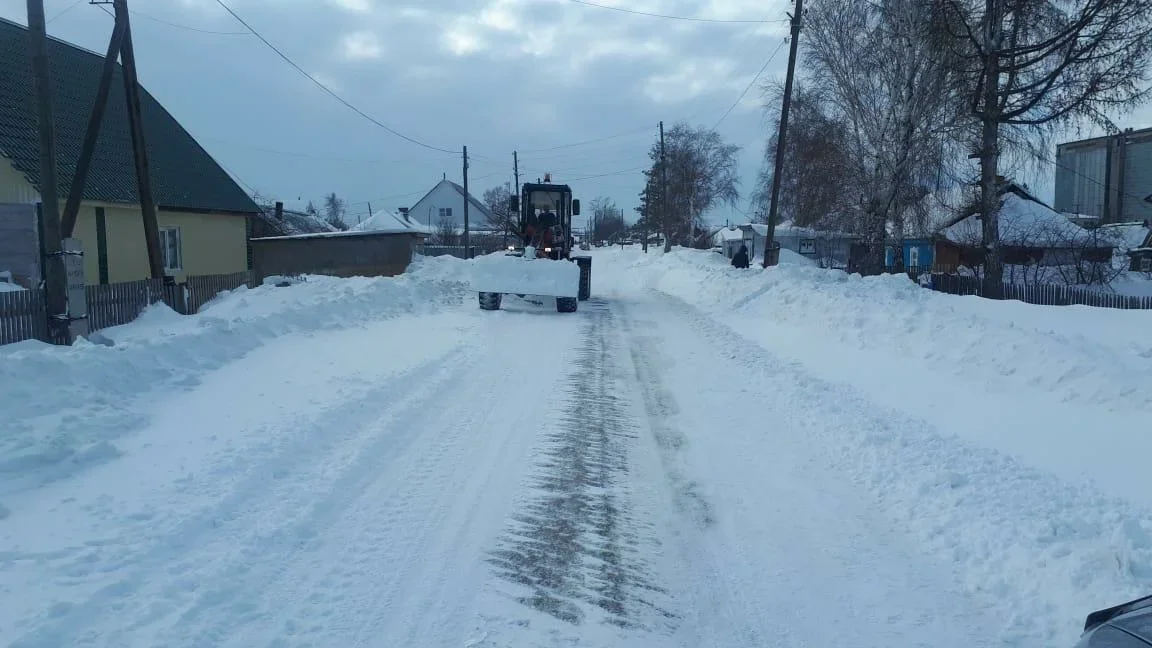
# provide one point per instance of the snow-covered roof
(1025, 223)
(1126, 236)
(294, 222)
(390, 221)
(790, 229)
(731, 233)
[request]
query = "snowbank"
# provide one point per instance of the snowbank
(64, 407)
(1080, 354)
(500, 273)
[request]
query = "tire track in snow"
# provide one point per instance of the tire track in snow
(217, 527)
(575, 547)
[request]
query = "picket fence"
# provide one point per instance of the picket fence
(22, 313)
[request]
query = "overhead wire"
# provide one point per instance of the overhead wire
(328, 90)
(751, 83)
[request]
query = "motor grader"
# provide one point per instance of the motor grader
(542, 264)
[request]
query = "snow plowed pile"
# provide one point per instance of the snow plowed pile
(1082, 355)
(64, 408)
(500, 273)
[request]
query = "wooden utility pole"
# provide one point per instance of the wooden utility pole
(55, 271)
(467, 250)
(140, 151)
(664, 193)
(782, 136)
(516, 172)
(92, 134)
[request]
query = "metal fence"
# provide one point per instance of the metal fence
(1040, 294)
(22, 313)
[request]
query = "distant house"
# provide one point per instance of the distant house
(728, 239)
(445, 203)
(830, 248)
(1031, 234)
(202, 213)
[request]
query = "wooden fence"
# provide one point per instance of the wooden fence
(22, 316)
(1041, 294)
(22, 313)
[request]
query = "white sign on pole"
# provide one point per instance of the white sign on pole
(77, 293)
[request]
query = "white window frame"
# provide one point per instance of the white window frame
(165, 234)
(914, 256)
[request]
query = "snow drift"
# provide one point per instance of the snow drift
(64, 407)
(499, 273)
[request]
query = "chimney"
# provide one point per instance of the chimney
(404, 213)
(279, 210)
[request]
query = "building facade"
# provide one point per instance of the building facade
(1107, 178)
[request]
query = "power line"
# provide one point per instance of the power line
(61, 13)
(670, 17)
(327, 89)
(164, 22)
(750, 84)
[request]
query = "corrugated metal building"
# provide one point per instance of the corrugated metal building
(1106, 177)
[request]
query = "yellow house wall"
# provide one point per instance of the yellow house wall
(212, 243)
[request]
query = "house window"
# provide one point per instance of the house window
(807, 246)
(914, 256)
(445, 212)
(1146, 264)
(172, 249)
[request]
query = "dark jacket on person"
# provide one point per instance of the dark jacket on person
(740, 259)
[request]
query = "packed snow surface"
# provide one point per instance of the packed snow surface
(701, 456)
(500, 273)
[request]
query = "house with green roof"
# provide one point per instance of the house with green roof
(202, 213)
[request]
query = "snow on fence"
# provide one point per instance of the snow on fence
(22, 314)
(1041, 294)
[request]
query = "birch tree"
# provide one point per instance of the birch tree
(1038, 65)
(889, 80)
(701, 175)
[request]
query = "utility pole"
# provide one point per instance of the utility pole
(55, 272)
(467, 251)
(136, 127)
(664, 193)
(774, 204)
(95, 120)
(516, 172)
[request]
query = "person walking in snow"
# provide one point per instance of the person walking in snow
(740, 259)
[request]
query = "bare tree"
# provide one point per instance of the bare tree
(888, 79)
(814, 152)
(701, 172)
(1037, 65)
(446, 232)
(502, 219)
(334, 211)
(607, 219)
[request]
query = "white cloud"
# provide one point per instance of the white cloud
(361, 45)
(355, 6)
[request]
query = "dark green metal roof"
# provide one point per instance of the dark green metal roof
(184, 176)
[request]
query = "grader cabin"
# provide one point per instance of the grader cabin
(203, 215)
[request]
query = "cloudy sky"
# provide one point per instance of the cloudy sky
(577, 89)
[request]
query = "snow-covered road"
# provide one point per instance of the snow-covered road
(637, 474)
